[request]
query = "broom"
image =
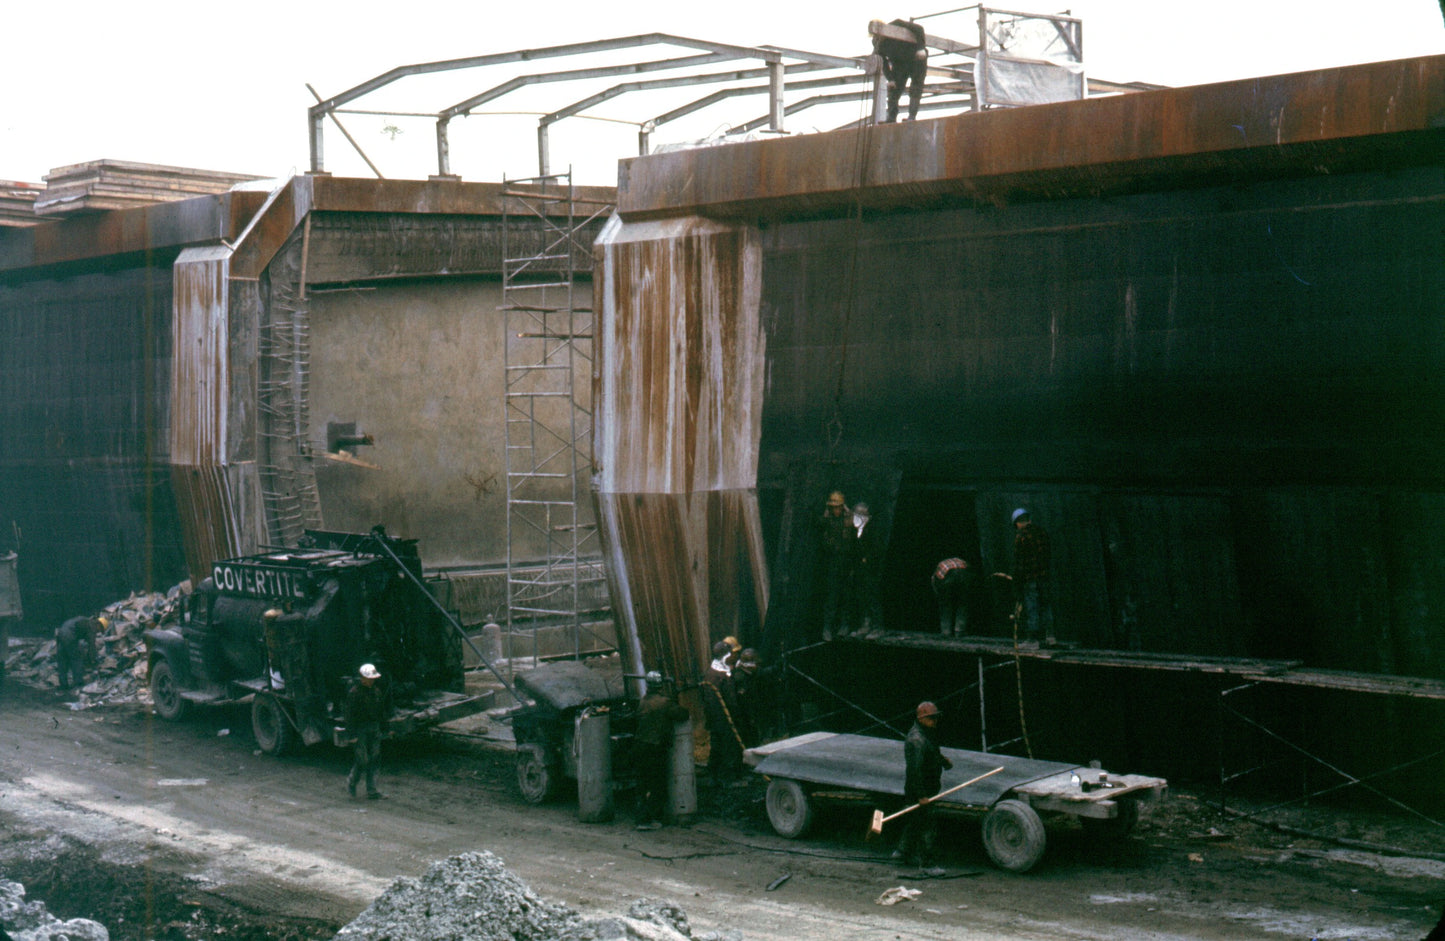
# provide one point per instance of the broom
(876, 827)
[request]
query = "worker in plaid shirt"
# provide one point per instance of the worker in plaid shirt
(1031, 578)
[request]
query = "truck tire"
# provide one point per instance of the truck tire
(790, 810)
(270, 725)
(1014, 836)
(1114, 828)
(537, 778)
(166, 692)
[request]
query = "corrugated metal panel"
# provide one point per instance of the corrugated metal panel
(679, 401)
(684, 570)
(200, 393)
(679, 397)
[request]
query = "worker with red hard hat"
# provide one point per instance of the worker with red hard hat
(924, 765)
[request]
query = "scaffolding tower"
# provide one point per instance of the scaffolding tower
(554, 562)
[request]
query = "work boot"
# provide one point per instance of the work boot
(351, 788)
(374, 795)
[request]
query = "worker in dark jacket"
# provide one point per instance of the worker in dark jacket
(1031, 578)
(864, 615)
(657, 716)
(75, 648)
(953, 586)
(365, 711)
(923, 778)
(904, 63)
(719, 701)
(836, 538)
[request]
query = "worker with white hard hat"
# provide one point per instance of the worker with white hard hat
(365, 711)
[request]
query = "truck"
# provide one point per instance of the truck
(288, 629)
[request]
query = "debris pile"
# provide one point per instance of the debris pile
(29, 921)
(473, 896)
(118, 672)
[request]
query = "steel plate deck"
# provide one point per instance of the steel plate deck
(865, 763)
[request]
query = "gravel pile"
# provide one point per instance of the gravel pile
(474, 897)
(29, 921)
(118, 674)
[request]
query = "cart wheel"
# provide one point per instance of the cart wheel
(270, 725)
(1014, 836)
(789, 809)
(1113, 828)
(536, 779)
(165, 693)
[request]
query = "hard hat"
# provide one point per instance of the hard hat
(653, 676)
(1019, 514)
(721, 649)
(733, 643)
(271, 614)
(836, 498)
(104, 623)
(926, 709)
(370, 672)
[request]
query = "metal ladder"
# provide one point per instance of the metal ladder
(553, 551)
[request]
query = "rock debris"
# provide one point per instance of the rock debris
(29, 921)
(474, 897)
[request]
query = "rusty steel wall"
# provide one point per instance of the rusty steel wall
(678, 398)
(1344, 119)
(84, 403)
(1225, 404)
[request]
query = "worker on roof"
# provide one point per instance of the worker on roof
(904, 63)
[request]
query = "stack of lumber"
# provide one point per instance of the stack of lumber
(17, 202)
(116, 184)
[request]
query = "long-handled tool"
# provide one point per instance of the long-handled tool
(876, 827)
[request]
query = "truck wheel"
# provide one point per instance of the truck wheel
(166, 693)
(1116, 827)
(1014, 836)
(790, 811)
(536, 778)
(270, 725)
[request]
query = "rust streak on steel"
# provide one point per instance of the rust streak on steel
(210, 219)
(1323, 121)
(678, 405)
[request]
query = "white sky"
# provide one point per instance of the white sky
(222, 86)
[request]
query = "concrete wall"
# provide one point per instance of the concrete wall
(418, 366)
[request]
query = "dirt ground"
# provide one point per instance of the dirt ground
(169, 831)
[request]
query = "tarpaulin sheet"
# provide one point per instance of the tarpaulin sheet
(568, 684)
(872, 764)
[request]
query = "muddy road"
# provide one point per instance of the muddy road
(182, 830)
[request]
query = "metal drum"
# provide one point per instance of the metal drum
(684, 778)
(593, 742)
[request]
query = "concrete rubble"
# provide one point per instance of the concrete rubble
(118, 672)
(474, 897)
(29, 921)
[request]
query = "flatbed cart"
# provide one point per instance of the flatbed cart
(826, 766)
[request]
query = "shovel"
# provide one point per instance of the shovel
(876, 827)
